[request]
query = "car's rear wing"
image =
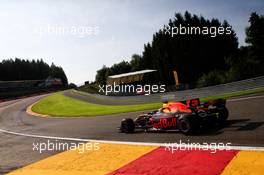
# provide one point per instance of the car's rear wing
(217, 102)
(196, 102)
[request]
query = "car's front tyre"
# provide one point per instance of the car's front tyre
(127, 125)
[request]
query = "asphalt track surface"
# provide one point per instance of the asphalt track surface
(245, 127)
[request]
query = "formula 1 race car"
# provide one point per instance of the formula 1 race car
(185, 116)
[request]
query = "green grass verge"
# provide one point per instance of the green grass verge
(235, 94)
(60, 105)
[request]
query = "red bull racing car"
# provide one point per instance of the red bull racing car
(185, 116)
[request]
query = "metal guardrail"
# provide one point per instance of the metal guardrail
(180, 95)
(215, 90)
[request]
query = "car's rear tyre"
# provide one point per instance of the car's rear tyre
(127, 125)
(188, 125)
(185, 126)
(222, 115)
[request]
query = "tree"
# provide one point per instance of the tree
(255, 39)
(101, 75)
(191, 55)
(58, 72)
(72, 86)
(104, 72)
(248, 61)
(136, 63)
(20, 69)
(119, 68)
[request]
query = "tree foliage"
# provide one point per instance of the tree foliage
(200, 60)
(190, 55)
(248, 61)
(20, 69)
(119, 68)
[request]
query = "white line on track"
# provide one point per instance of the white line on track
(230, 147)
(248, 148)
